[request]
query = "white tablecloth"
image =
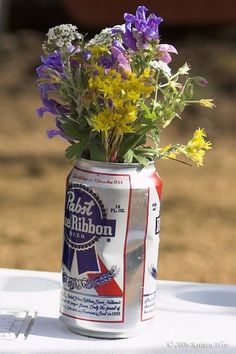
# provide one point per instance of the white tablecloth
(191, 318)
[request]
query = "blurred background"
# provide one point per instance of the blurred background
(198, 238)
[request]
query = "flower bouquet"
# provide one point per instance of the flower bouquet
(111, 97)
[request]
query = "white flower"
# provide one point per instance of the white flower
(118, 28)
(104, 37)
(155, 64)
(184, 69)
(61, 36)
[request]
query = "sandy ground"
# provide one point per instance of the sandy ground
(198, 238)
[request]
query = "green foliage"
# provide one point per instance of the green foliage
(96, 150)
(73, 132)
(75, 150)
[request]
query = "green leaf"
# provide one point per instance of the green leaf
(130, 142)
(75, 150)
(72, 130)
(145, 152)
(96, 151)
(134, 139)
(168, 121)
(188, 90)
(128, 157)
(148, 113)
(141, 160)
(155, 136)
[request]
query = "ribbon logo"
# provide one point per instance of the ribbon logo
(85, 222)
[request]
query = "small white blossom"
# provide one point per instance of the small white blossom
(104, 37)
(119, 28)
(155, 64)
(184, 69)
(61, 36)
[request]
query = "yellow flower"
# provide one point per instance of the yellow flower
(121, 119)
(120, 90)
(119, 94)
(102, 122)
(196, 147)
(146, 72)
(97, 51)
(208, 103)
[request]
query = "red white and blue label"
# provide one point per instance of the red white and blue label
(95, 227)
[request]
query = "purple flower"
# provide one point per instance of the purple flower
(118, 45)
(127, 37)
(86, 54)
(52, 62)
(41, 71)
(203, 82)
(164, 50)
(106, 61)
(52, 106)
(44, 87)
(200, 81)
(139, 30)
(51, 133)
(117, 51)
(117, 57)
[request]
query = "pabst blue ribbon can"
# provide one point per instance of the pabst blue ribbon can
(110, 252)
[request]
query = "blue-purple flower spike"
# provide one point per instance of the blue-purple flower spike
(51, 133)
(139, 30)
(51, 106)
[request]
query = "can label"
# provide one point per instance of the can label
(93, 272)
(111, 236)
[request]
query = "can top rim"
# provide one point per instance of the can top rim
(115, 164)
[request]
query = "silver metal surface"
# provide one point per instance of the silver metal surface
(112, 218)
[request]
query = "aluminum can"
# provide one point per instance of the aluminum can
(110, 252)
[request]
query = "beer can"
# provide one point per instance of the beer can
(110, 252)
